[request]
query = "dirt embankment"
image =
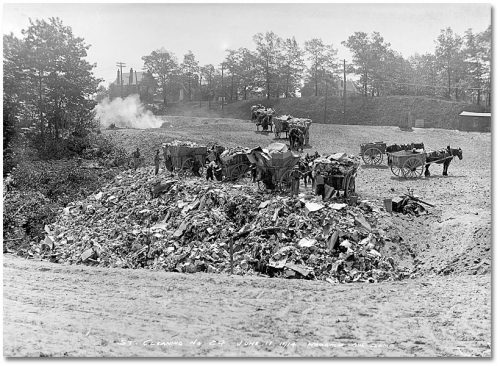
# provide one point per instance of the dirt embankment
(379, 111)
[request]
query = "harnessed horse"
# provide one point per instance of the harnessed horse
(401, 147)
(443, 156)
(296, 138)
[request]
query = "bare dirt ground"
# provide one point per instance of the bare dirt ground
(76, 311)
(55, 310)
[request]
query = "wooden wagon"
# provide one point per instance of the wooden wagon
(407, 163)
(184, 156)
(303, 125)
(235, 166)
(281, 126)
(274, 168)
(372, 153)
(338, 172)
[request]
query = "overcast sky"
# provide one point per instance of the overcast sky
(126, 32)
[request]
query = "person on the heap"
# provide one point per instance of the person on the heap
(295, 176)
(157, 162)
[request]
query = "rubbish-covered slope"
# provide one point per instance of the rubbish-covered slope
(190, 228)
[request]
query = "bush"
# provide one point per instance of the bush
(25, 215)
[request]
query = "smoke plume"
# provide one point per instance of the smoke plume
(126, 113)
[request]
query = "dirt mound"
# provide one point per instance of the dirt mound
(380, 111)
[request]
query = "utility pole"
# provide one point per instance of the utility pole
(222, 100)
(201, 77)
(326, 96)
(345, 92)
(121, 65)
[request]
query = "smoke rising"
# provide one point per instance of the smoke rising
(126, 113)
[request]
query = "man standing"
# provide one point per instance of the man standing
(136, 155)
(157, 162)
(295, 176)
(196, 167)
(320, 185)
(210, 170)
(253, 169)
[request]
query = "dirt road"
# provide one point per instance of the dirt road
(54, 310)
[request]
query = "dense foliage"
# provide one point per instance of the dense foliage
(459, 69)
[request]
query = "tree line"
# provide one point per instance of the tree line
(49, 85)
(459, 69)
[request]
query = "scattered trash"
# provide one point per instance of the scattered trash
(408, 203)
(195, 225)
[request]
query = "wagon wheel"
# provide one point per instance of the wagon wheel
(372, 156)
(245, 174)
(237, 171)
(187, 168)
(395, 170)
(285, 184)
(413, 168)
(350, 187)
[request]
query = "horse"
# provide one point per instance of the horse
(264, 118)
(306, 170)
(296, 138)
(443, 156)
(400, 147)
(254, 110)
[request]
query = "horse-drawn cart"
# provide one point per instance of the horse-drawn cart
(339, 172)
(235, 164)
(274, 165)
(407, 163)
(372, 153)
(185, 155)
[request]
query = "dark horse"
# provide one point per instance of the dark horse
(296, 138)
(401, 147)
(443, 156)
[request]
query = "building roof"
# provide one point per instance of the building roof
(125, 77)
(475, 114)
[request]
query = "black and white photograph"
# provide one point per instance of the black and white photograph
(247, 180)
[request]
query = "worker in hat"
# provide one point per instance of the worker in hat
(136, 155)
(295, 176)
(157, 162)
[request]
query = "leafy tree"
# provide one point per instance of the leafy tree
(448, 54)
(49, 83)
(268, 46)
(162, 64)
(190, 69)
(323, 61)
(371, 55)
(359, 44)
(477, 61)
(247, 71)
(231, 63)
(425, 73)
(207, 72)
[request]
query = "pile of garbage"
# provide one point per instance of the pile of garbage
(231, 152)
(336, 164)
(184, 143)
(193, 225)
(410, 204)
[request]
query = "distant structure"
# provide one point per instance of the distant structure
(133, 82)
(474, 121)
(350, 88)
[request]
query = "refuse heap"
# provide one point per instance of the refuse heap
(231, 152)
(193, 225)
(184, 143)
(336, 164)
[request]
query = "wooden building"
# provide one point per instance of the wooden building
(474, 121)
